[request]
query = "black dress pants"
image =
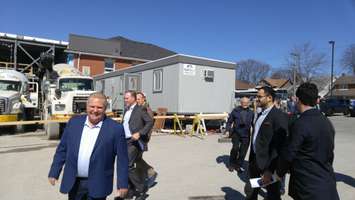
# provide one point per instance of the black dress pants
(80, 191)
(273, 190)
(136, 175)
(239, 150)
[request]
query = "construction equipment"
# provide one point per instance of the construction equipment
(65, 93)
(18, 96)
(54, 94)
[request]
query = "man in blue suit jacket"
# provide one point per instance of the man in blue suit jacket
(88, 149)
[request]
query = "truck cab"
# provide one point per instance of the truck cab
(17, 102)
(65, 97)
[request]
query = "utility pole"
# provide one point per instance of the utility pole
(332, 68)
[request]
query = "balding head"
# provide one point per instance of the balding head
(244, 102)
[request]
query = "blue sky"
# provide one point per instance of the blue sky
(229, 30)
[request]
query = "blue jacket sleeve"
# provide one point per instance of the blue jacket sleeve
(60, 154)
(122, 159)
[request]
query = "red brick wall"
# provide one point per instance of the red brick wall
(121, 64)
(97, 64)
(350, 86)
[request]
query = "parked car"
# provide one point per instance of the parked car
(334, 105)
(352, 107)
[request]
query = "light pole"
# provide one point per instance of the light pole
(331, 72)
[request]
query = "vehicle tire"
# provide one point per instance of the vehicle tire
(352, 113)
(11, 130)
(29, 115)
(52, 130)
(329, 112)
(346, 112)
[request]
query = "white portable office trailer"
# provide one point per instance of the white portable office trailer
(181, 83)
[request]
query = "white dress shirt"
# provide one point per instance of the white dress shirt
(258, 123)
(87, 143)
(126, 118)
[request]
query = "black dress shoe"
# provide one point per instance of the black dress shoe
(141, 196)
(130, 194)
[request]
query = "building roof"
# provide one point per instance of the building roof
(243, 85)
(32, 39)
(118, 47)
(275, 83)
(135, 49)
(171, 60)
(344, 80)
(323, 84)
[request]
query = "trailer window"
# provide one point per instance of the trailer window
(208, 75)
(158, 81)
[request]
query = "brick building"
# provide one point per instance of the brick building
(344, 87)
(94, 56)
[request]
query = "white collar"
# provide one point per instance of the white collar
(87, 123)
(267, 110)
(132, 106)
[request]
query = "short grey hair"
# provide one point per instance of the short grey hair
(98, 95)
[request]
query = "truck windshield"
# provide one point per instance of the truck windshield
(70, 84)
(10, 85)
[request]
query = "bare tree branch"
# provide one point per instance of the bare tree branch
(306, 60)
(348, 59)
(252, 70)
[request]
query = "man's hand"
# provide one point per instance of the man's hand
(136, 136)
(122, 192)
(227, 134)
(267, 177)
(52, 181)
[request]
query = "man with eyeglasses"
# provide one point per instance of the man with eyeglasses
(269, 134)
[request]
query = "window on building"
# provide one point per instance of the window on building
(343, 86)
(208, 75)
(158, 81)
(109, 67)
(86, 71)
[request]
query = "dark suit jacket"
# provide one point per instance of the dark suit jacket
(239, 124)
(309, 157)
(110, 142)
(141, 122)
(272, 135)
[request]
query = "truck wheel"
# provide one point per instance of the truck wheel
(52, 131)
(29, 115)
(11, 130)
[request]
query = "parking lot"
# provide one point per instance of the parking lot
(188, 167)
